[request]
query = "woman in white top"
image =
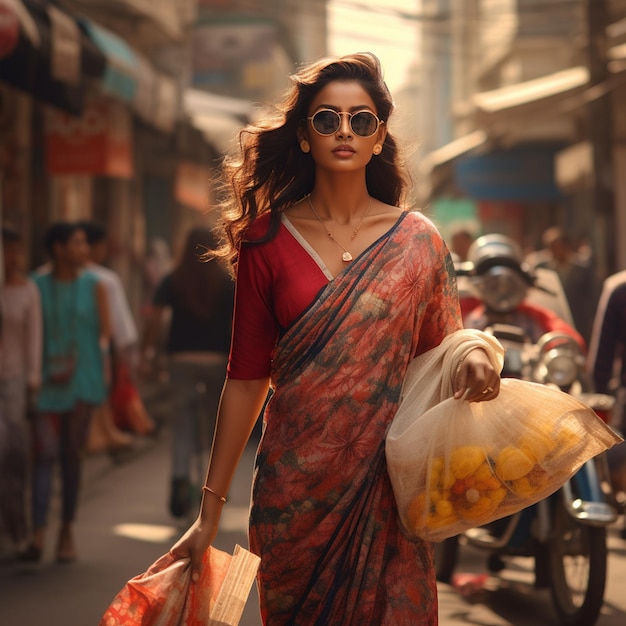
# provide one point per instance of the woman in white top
(20, 376)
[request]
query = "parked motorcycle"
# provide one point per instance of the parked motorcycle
(565, 533)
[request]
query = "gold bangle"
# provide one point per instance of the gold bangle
(222, 499)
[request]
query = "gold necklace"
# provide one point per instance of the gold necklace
(346, 256)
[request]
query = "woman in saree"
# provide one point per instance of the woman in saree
(337, 290)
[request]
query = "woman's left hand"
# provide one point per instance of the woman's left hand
(477, 378)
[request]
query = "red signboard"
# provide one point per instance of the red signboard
(98, 143)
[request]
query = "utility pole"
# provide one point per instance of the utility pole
(600, 120)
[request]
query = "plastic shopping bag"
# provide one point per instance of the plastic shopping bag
(164, 595)
(462, 464)
(129, 411)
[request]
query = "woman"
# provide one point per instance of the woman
(75, 347)
(200, 297)
(337, 290)
(20, 376)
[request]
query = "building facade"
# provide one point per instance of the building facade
(523, 113)
(121, 111)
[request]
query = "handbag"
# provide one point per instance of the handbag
(61, 367)
(129, 411)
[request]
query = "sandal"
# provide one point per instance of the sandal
(66, 557)
(32, 554)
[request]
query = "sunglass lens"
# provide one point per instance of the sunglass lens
(326, 122)
(364, 123)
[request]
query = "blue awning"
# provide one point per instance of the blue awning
(525, 172)
(120, 77)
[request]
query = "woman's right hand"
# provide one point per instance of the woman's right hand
(194, 543)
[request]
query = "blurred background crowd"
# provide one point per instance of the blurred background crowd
(114, 119)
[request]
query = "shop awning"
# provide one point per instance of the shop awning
(218, 118)
(514, 98)
(120, 77)
(15, 19)
(452, 150)
(36, 63)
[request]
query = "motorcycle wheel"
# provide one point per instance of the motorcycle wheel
(446, 556)
(577, 561)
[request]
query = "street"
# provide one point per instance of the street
(124, 526)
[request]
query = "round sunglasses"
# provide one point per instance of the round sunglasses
(327, 122)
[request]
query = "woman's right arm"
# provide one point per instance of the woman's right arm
(240, 406)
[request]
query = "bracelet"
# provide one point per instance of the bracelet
(222, 499)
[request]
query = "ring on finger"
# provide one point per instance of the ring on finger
(487, 390)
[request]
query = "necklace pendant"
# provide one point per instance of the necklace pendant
(347, 257)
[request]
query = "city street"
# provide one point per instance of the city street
(124, 526)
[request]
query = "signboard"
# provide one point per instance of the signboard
(98, 143)
(223, 49)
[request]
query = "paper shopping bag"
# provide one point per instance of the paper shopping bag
(165, 596)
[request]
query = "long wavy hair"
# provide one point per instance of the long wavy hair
(271, 173)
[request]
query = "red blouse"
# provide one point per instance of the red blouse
(276, 282)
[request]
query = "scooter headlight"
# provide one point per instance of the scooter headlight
(560, 359)
(561, 369)
(501, 288)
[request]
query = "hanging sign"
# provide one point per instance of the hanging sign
(97, 143)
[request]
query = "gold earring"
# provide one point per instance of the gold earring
(377, 149)
(304, 146)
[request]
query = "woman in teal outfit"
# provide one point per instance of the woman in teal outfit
(75, 345)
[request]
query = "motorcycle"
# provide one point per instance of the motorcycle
(565, 533)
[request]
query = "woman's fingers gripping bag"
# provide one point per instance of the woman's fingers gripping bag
(458, 464)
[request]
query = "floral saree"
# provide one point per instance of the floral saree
(323, 516)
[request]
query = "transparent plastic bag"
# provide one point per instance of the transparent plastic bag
(462, 464)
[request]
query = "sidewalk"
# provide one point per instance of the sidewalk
(124, 526)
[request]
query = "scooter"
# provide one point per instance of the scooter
(565, 533)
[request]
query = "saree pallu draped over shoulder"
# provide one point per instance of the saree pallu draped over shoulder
(323, 516)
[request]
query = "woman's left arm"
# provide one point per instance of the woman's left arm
(477, 377)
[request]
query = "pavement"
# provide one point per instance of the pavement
(124, 526)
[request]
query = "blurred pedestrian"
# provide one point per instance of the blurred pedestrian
(576, 275)
(75, 356)
(20, 377)
(460, 243)
(199, 294)
(124, 335)
(156, 265)
(606, 365)
(106, 433)
(338, 288)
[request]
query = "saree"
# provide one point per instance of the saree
(323, 516)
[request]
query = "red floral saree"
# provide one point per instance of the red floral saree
(323, 517)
